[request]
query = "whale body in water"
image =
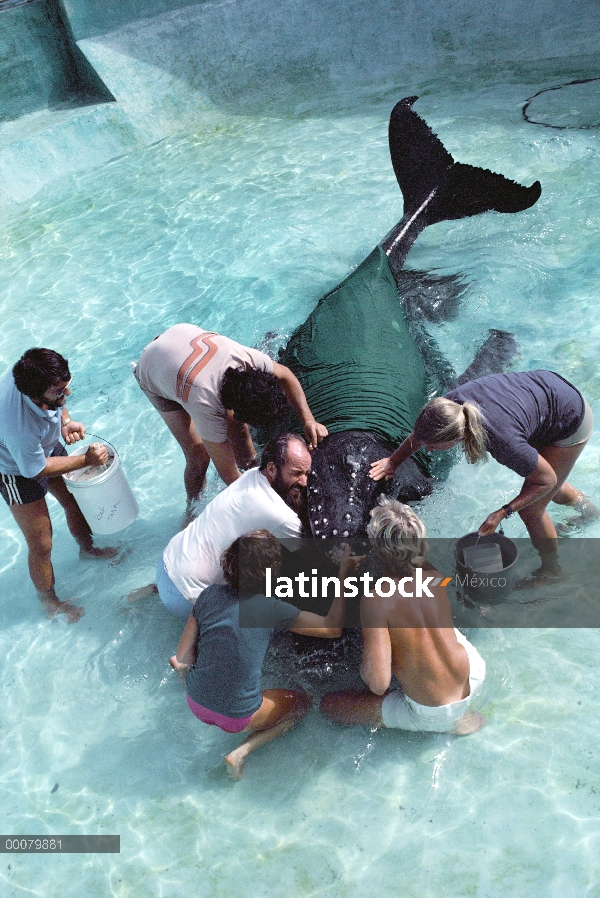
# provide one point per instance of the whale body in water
(363, 358)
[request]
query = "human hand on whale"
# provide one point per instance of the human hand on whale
(385, 468)
(314, 433)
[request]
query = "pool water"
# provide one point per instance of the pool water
(241, 230)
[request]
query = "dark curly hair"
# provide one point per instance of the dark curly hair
(255, 396)
(258, 550)
(39, 369)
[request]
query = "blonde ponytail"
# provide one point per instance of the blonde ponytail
(445, 421)
(474, 438)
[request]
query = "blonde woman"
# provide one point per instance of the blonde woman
(412, 641)
(534, 422)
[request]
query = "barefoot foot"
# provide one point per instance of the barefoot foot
(585, 512)
(143, 592)
(95, 552)
(72, 612)
(586, 509)
(469, 723)
(235, 763)
(539, 578)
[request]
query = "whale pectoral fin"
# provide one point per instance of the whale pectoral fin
(410, 483)
(429, 296)
(494, 356)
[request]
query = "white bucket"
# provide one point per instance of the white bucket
(105, 498)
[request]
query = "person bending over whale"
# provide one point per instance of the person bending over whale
(207, 389)
(271, 498)
(534, 422)
(225, 640)
(438, 671)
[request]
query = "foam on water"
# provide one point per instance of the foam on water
(241, 231)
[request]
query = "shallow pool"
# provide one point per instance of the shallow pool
(242, 230)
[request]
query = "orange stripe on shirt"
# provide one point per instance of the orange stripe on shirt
(203, 349)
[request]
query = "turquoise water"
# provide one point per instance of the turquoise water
(241, 230)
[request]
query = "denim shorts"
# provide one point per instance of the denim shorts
(173, 600)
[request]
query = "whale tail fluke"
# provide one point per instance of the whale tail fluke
(468, 190)
(434, 184)
(419, 158)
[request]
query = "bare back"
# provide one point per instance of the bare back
(414, 639)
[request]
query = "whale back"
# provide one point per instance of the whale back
(356, 359)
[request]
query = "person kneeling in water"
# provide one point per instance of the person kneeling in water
(438, 671)
(225, 640)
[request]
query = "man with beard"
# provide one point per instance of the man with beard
(272, 497)
(33, 418)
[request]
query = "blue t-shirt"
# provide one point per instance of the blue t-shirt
(523, 411)
(28, 434)
(227, 672)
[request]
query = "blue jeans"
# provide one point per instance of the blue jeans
(170, 596)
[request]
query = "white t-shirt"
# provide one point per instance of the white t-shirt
(192, 558)
(186, 364)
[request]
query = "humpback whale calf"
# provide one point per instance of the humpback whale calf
(364, 361)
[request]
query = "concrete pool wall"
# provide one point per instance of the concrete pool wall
(176, 65)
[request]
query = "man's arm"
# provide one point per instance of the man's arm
(329, 627)
(95, 455)
(70, 431)
(291, 386)
(376, 667)
(240, 438)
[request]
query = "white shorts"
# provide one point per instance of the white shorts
(400, 712)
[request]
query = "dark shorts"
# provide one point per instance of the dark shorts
(17, 490)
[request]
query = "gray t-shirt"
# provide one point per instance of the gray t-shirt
(226, 675)
(186, 364)
(523, 411)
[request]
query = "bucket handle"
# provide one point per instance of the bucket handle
(500, 531)
(101, 440)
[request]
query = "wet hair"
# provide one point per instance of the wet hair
(443, 421)
(398, 536)
(276, 451)
(255, 396)
(260, 550)
(39, 369)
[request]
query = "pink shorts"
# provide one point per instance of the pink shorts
(229, 724)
